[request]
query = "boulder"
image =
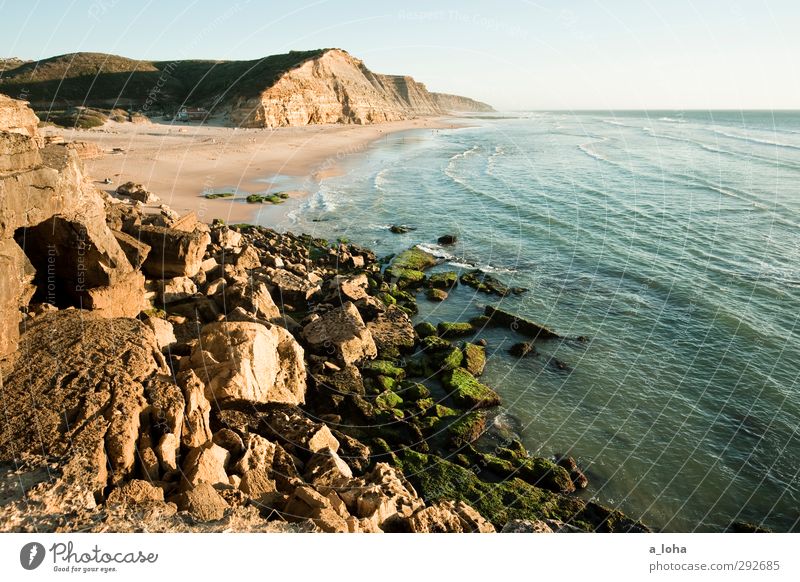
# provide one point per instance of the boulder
(205, 464)
(381, 497)
(326, 513)
(392, 332)
(174, 253)
(447, 239)
(196, 419)
(17, 117)
(474, 358)
(521, 325)
(137, 192)
(134, 249)
(526, 526)
(289, 288)
(341, 333)
(86, 376)
(163, 330)
(175, 289)
(249, 361)
(202, 502)
(346, 289)
(251, 296)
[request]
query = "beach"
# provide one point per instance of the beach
(181, 161)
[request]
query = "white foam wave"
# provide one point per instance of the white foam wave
(672, 120)
(380, 179)
(760, 141)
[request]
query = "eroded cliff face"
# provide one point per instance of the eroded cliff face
(336, 88)
(459, 104)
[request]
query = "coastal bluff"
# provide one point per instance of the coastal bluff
(162, 374)
(293, 89)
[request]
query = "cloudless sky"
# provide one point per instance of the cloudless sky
(514, 54)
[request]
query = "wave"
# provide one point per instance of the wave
(380, 179)
(756, 140)
(474, 149)
(671, 120)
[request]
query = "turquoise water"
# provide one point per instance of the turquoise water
(671, 240)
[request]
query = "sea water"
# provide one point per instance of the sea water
(669, 239)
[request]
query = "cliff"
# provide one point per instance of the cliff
(296, 88)
(458, 104)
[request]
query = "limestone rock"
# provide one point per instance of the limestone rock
(205, 464)
(202, 502)
(248, 361)
(393, 332)
(17, 117)
(163, 330)
(174, 253)
(137, 192)
(175, 289)
(341, 333)
(251, 296)
(196, 419)
(86, 376)
(526, 526)
(306, 503)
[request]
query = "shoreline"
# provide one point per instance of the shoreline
(180, 162)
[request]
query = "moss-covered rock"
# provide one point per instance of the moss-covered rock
(383, 368)
(388, 400)
(487, 283)
(433, 343)
(467, 392)
(442, 411)
(434, 294)
(474, 358)
(436, 479)
(454, 329)
(443, 280)
(406, 268)
(425, 329)
(414, 391)
(451, 359)
(466, 429)
(385, 383)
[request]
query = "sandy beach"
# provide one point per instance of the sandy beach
(179, 162)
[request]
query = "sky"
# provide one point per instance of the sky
(513, 54)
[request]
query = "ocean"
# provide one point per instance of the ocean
(669, 238)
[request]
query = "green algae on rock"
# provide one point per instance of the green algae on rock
(466, 391)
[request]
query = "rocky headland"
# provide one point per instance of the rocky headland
(294, 89)
(163, 374)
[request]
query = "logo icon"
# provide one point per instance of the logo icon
(31, 555)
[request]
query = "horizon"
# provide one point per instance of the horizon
(588, 55)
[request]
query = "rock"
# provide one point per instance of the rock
(163, 331)
(489, 284)
(196, 419)
(447, 239)
(203, 502)
(248, 258)
(16, 289)
(466, 429)
(575, 474)
(258, 455)
(174, 253)
(526, 526)
(448, 329)
(533, 330)
(443, 280)
(166, 452)
(289, 288)
(205, 464)
(392, 332)
(251, 296)
(227, 238)
(175, 289)
(407, 268)
(522, 349)
(134, 249)
(17, 117)
(466, 391)
(86, 375)
(249, 361)
(341, 333)
(474, 358)
(348, 289)
(18, 152)
(135, 492)
(230, 441)
(306, 503)
(381, 497)
(436, 294)
(137, 192)
(425, 329)
(400, 229)
(437, 518)
(326, 468)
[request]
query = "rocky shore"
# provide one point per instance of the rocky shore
(162, 374)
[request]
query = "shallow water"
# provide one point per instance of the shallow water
(671, 240)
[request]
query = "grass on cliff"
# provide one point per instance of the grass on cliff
(102, 80)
